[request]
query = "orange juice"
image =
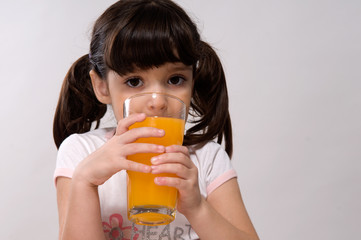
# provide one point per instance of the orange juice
(148, 203)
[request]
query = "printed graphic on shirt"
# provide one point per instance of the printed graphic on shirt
(115, 230)
(162, 232)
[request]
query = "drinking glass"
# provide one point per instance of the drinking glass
(148, 203)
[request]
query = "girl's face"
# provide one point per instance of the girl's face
(171, 78)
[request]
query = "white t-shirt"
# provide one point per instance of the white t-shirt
(214, 169)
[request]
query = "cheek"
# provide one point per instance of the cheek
(187, 99)
(118, 110)
(185, 94)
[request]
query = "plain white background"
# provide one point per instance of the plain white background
(294, 79)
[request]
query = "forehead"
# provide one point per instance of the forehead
(176, 66)
(165, 68)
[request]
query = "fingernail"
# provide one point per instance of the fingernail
(160, 148)
(154, 160)
(159, 180)
(160, 131)
(156, 180)
(147, 168)
(154, 169)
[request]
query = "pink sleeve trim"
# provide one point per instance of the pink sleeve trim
(62, 172)
(220, 180)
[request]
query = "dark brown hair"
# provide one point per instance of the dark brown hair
(145, 34)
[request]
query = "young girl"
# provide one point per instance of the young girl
(145, 46)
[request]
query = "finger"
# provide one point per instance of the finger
(177, 169)
(134, 166)
(178, 183)
(142, 132)
(183, 185)
(177, 157)
(134, 148)
(125, 123)
(177, 148)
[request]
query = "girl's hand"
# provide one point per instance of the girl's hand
(112, 156)
(176, 160)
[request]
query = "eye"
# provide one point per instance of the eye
(134, 82)
(176, 80)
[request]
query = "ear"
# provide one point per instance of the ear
(100, 87)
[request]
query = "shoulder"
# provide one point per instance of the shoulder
(210, 158)
(208, 150)
(76, 147)
(101, 134)
(214, 166)
(85, 142)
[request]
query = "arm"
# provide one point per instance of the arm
(79, 211)
(221, 216)
(224, 213)
(78, 200)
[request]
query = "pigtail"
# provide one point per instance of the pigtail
(77, 105)
(209, 105)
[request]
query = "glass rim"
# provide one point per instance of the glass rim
(155, 93)
(128, 99)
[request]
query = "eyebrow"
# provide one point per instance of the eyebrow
(181, 68)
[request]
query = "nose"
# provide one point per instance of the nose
(157, 104)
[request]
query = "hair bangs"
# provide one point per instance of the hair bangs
(151, 37)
